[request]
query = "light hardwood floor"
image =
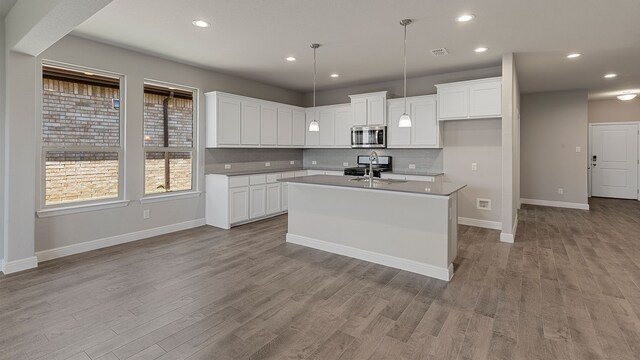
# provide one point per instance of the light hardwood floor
(569, 288)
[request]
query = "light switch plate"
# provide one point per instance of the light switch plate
(578, 149)
(474, 166)
(314, 162)
(267, 164)
(560, 191)
(146, 214)
(227, 166)
(412, 166)
(292, 162)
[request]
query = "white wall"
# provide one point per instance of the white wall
(553, 124)
(614, 110)
(59, 231)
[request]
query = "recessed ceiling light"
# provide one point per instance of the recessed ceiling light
(626, 97)
(334, 75)
(291, 58)
(481, 49)
(200, 23)
(609, 76)
(574, 55)
(466, 17)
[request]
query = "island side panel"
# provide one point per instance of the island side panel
(402, 230)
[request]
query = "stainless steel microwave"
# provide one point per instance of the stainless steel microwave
(369, 137)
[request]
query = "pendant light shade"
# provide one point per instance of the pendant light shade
(405, 119)
(314, 126)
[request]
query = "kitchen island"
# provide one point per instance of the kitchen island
(409, 225)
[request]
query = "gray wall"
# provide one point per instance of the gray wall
(2, 144)
(423, 85)
(425, 160)
(60, 231)
(475, 141)
(614, 110)
(553, 124)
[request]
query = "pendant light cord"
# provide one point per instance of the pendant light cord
(405, 67)
(314, 82)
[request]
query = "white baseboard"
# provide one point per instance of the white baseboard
(495, 225)
(19, 265)
(506, 238)
(387, 260)
(561, 204)
(115, 240)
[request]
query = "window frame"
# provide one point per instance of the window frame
(193, 150)
(82, 205)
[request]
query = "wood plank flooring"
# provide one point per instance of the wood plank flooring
(569, 288)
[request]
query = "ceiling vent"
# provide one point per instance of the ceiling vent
(439, 52)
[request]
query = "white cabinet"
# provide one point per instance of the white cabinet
(238, 204)
(425, 128)
(325, 172)
(268, 125)
(327, 127)
(343, 124)
(331, 119)
(226, 129)
(475, 99)
(285, 126)
(250, 120)
(369, 109)
(298, 127)
(273, 198)
(257, 201)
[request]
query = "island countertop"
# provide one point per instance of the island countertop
(438, 188)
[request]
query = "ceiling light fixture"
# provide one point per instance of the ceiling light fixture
(291, 58)
(405, 120)
(334, 75)
(466, 17)
(200, 23)
(88, 73)
(574, 55)
(314, 126)
(481, 49)
(627, 97)
(610, 76)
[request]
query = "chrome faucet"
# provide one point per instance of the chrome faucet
(372, 157)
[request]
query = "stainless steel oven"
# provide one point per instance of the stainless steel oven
(369, 137)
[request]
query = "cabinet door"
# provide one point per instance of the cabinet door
(250, 123)
(485, 99)
(343, 123)
(425, 129)
(397, 136)
(359, 109)
(285, 126)
(327, 127)
(257, 201)
(228, 121)
(312, 137)
(299, 130)
(273, 198)
(268, 125)
(285, 197)
(238, 204)
(375, 110)
(453, 102)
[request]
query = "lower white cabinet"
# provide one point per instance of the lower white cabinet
(238, 204)
(257, 201)
(274, 197)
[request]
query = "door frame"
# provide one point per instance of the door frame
(590, 141)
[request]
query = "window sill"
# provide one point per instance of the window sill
(170, 196)
(74, 209)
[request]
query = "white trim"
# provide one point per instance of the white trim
(383, 259)
(74, 209)
(506, 238)
(169, 196)
(515, 226)
(561, 204)
(115, 240)
(487, 224)
(19, 265)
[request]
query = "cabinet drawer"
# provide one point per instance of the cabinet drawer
(257, 179)
(237, 181)
(289, 174)
(272, 178)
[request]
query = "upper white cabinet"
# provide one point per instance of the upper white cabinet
(299, 128)
(225, 131)
(268, 125)
(335, 123)
(343, 124)
(475, 99)
(285, 126)
(369, 109)
(250, 119)
(425, 129)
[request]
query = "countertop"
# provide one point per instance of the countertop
(268, 171)
(415, 187)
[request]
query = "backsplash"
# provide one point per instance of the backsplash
(251, 159)
(425, 160)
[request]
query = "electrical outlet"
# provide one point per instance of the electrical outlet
(345, 164)
(267, 164)
(474, 166)
(483, 204)
(227, 166)
(412, 166)
(292, 162)
(314, 162)
(560, 191)
(146, 214)
(578, 149)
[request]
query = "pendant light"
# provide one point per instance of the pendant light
(405, 120)
(314, 126)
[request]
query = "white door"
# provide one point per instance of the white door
(238, 204)
(250, 123)
(453, 102)
(359, 111)
(485, 99)
(614, 161)
(257, 201)
(375, 110)
(268, 125)
(273, 198)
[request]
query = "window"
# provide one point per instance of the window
(81, 136)
(168, 138)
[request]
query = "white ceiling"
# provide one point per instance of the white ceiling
(362, 40)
